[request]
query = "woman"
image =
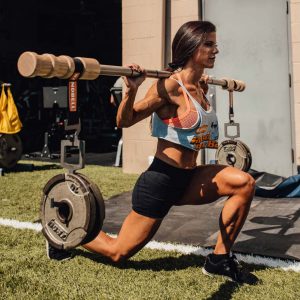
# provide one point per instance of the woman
(184, 122)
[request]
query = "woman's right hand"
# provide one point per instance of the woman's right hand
(203, 83)
(135, 82)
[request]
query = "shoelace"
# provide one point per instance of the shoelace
(236, 262)
(232, 265)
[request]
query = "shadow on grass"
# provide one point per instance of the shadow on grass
(156, 265)
(228, 288)
(225, 291)
(23, 167)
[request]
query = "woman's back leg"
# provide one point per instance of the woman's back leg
(135, 233)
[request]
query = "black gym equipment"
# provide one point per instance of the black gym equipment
(10, 150)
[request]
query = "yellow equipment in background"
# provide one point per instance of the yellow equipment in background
(10, 125)
(9, 117)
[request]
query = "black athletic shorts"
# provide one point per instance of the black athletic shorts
(159, 188)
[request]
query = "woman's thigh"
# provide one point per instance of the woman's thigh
(210, 182)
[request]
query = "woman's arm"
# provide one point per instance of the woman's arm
(125, 110)
(130, 112)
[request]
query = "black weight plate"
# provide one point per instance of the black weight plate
(10, 150)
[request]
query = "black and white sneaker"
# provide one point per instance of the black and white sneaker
(230, 268)
(57, 254)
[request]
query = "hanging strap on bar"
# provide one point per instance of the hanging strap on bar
(231, 112)
(73, 121)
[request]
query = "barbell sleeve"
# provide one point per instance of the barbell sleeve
(31, 64)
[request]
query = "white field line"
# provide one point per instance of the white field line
(20, 225)
(286, 265)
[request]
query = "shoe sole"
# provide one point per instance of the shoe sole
(206, 273)
(47, 251)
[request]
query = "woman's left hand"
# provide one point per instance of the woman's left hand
(135, 82)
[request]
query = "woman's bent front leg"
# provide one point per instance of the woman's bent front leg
(136, 232)
(209, 183)
(240, 189)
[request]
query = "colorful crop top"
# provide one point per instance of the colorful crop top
(195, 129)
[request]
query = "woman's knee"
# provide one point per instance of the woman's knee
(117, 258)
(119, 252)
(119, 255)
(241, 182)
(249, 183)
(245, 183)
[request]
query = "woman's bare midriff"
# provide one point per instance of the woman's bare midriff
(176, 155)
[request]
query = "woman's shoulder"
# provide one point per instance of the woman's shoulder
(172, 84)
(165, 86)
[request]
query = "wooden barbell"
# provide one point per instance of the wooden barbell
(31, 64)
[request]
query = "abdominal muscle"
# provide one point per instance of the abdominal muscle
(176, 155)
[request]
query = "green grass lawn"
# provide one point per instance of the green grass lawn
(20, 192)
(26, 273)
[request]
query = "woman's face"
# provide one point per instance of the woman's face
(206, 53)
